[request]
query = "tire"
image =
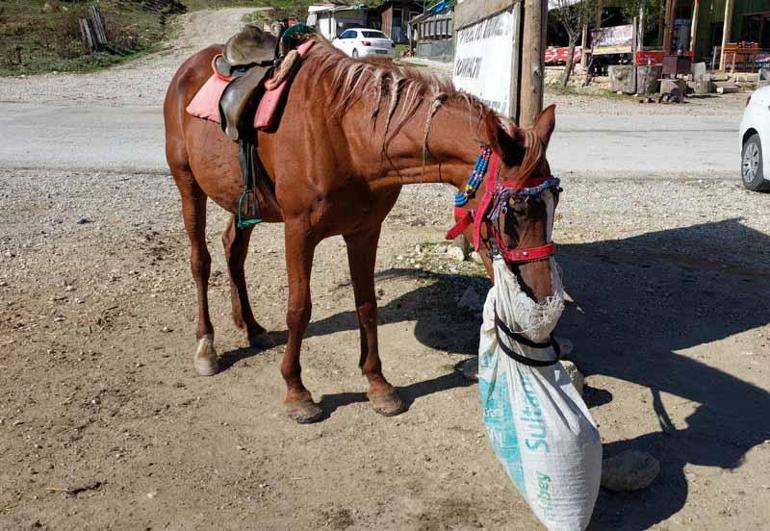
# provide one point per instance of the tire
(751, 165)
(355, 54)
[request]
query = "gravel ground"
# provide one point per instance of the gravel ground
(104, 424)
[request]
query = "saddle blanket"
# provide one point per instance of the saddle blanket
(205, 104)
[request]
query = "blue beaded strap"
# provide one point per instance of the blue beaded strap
(476, 178)
(533, 191)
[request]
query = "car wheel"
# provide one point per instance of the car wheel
(355, 54)
(751, 165)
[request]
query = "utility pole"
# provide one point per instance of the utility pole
(532, 61)
(729, 8)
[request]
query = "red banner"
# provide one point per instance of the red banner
(554, 55)
(654, 57)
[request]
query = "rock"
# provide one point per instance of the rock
(471, 300)
(83, 221)
(455, 253)
(629, 470)
(575, 375)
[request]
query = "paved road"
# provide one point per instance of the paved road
(130, 138)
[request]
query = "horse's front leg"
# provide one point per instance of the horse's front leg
(300, 247)
(362, 254)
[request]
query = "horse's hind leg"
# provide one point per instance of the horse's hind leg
(362, 253)
(194, 214)
(236, 243)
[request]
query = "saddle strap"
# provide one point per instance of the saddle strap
(250, 169)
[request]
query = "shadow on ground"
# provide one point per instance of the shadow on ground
(639, 302)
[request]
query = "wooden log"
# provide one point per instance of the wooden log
(85, 35)
(97, 23)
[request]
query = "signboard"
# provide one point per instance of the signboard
(485, 64)
(615, 39)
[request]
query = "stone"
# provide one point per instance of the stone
(84, 221)
(455, 253)
(470, 300)
(575, 376)
(629, 470)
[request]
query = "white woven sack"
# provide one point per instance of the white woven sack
(537, 423)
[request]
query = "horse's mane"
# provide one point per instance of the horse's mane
(379, 82)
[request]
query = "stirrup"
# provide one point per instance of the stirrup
(248, 210)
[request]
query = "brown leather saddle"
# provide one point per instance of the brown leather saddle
(249, 59)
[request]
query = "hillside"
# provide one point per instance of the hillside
(38, 36)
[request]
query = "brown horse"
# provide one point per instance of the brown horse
(352, 133)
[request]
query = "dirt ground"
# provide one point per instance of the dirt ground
(105, 425)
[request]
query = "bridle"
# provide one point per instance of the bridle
(492, 205)
(495, 200)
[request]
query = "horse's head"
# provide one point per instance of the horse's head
(522, 206)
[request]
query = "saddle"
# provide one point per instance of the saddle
(253, 62)
(247, 61)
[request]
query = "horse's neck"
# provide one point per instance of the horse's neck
(431, 147)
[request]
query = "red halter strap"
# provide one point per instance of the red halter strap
(467, 217)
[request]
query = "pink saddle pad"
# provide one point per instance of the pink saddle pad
(205, 104)
(269, 106)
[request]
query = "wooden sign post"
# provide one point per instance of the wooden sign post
(532, 61)
(500, 54)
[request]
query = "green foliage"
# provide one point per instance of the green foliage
(650, 9)
(41, 36)
(573, 16)
(38, 36)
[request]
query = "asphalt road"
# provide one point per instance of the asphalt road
(130, 138)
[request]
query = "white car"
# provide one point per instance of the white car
(755, 141)
(362, 42)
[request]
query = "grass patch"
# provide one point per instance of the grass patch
(38, 36)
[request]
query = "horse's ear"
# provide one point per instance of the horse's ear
(509, 148)
(545, 124)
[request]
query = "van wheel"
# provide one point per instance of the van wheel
(751, 165)
(355, 54)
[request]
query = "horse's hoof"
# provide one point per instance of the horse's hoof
(304, 411)
(388, 405)
(205, 361)
(262, 342)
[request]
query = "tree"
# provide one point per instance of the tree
(648, 10)
(573, 15)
